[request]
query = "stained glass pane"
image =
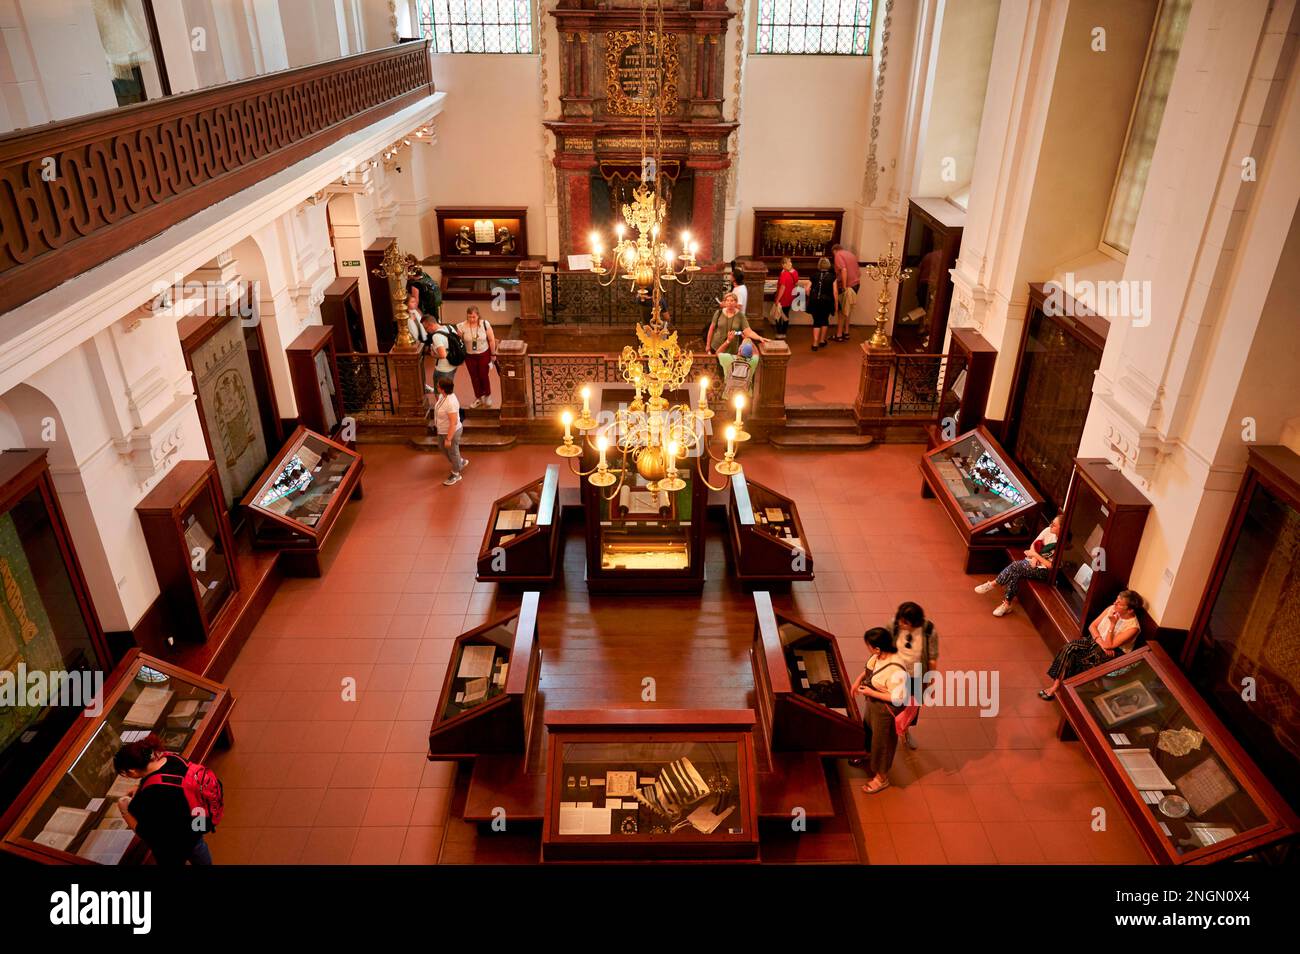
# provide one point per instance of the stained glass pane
(477, 26)
(840, 27)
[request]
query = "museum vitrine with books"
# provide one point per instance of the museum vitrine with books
(521, 542)
(628, 785)
(930, 247)
(1192, 793)
(188, 534)
(480, 248)
(1101, 528)
(313, 369)
(48, 623)
(489, 696)
(296, 502)
(802, 688)
(69, 812)
(987, 498)
(639, 536)
(767, 539)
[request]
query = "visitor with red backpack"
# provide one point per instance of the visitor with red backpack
(174, 806)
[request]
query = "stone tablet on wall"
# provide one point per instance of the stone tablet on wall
(224, 378)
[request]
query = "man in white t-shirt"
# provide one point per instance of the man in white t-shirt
(446, 420)
(443, 370)
(741, 292)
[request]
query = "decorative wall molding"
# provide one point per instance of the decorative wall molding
(871, 175)
(150, 448)
(74, 194)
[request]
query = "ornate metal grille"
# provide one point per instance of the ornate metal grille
(918, 384)
(576, 298)
(369, 385)
(477, 26)
(814, 26)
(554, 379)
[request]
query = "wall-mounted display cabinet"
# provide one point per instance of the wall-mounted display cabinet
(930, 247)
(766, 536)
(987, 498)
(340, 309)
(296, 501)
(489, 697)
(1191, 792)
(805, 235)
(314, 372)
(1247, 626)
(521, 543)
(802, 687)
(650, 784)
(68, 813)
(480, 248)
(187, 530)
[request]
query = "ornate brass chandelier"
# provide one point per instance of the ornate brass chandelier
(650, 433)
(645, 261)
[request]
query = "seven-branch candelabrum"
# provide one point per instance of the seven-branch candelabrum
(645, 260)
(396, 267)
(886, 272)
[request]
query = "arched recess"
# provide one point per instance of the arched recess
(346, 239)
(252, 264)
(30, 419)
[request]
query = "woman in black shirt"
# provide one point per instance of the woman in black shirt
(159, 812)
(823, 299)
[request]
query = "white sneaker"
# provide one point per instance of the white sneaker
(1002, 609)
(487, 403)
(464, 462)
(985, 587)
(477, 403)
(453, 479)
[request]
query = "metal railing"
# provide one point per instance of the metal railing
(370, 385)
(922, 385)
(577, 298)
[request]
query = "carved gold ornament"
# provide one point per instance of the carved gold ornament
(619, 76)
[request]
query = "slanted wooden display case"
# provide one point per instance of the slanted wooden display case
(767, 539)
(314, 371)
(67, 814)
(986, 497)
(188, 533)
(296, 502)
(521, 543)
(1193, 795)
(804, 695)
(650, 784)
(489, 697)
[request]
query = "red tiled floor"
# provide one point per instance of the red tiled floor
(339, 681)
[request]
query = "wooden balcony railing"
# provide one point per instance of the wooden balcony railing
(74, 194)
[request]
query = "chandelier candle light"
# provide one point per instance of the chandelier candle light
(886, 271)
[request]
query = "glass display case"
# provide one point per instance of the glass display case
(988, 499)
(296, 501)
(638, 538)
(522, 540)
(314, 371)
(1101, 529)
(625, 784)
(489, 695)
(480, 248)
(68, 813)
(930, 247)
(47, 621)
(1247, 626)
(1191, 792)
(188, 534)
(767, 538)
(804, 693)
(805, 235)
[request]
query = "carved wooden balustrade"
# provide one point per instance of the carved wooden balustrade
(73, 194)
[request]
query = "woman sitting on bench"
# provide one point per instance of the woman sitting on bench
(1037, 561)
(1110, 633)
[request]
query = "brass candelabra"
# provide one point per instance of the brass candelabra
(886, 271)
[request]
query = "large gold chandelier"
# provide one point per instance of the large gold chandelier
(642, 257)
(650, 433)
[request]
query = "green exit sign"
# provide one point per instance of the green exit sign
(351, 264)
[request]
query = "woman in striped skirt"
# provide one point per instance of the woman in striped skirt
(1111, 632)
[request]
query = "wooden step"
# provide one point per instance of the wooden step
(817, 440)
(814, 411)
(483, 440)
(822, 424)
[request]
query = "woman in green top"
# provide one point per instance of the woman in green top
(728, 328)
